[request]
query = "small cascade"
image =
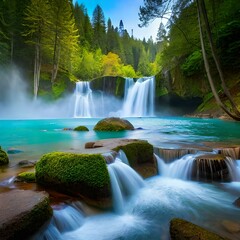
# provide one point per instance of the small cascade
(8, 182)
(122, 156)
(139, 97)
(201, 167)
(66, 218)
(233, 168)
(233, 152)
(169, 155)
(181, 168)
(84, 104)
(125, 182)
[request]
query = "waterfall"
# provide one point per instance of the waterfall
(66, 218)
(191, 166)
(138, 100)
(122, 156)
(139, 97)
(84, 104)
(169, 155)
(125, 182)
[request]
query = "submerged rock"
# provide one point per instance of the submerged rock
(14, 151)
(183, 230)
(4, 160)
(83, 175)
(231, 226)
(113, 124)
(237, 202)
(22, 213)
(26, 164)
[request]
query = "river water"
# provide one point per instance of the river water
(146, 212)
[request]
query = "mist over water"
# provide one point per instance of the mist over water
(16, 102)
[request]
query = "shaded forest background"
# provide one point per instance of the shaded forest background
(56, 43)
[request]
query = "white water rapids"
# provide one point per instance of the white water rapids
(143, 208)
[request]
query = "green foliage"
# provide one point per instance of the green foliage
(229, 43)
(27, 177)
(113, 124)
(81, 129)
(112, 65)
(120, 87)
(193, 64)
(3, 157)
(58, 88)
(99, 27)
(137, 152)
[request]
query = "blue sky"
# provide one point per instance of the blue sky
(126, 10)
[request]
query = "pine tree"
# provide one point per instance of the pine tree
(37, 16)
(99, 29)
(64, 35)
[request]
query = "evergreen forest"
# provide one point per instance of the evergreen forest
(56, 42)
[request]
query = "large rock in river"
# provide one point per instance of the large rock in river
(84, 175)
(3, 157)
(140, 156)
(184, 230)
(22, 213)
(113, 124)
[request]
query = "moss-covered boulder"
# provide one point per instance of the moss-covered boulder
(26, 177)
(137, 152)
(3, 157)
(184, 230)
(23, 213)
(84, 175)
(113, 124)
(81, 129)
(140, 157)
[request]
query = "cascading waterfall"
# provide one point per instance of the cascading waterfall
(66, 218)
(138, 100)
(188, 167)
(146, 214)
(125, 182)
(83, 100)
(139, 97)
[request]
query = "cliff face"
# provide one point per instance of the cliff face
(109, 85)
(193, 94)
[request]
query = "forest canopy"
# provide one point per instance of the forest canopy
(59, 40)
(56, 42)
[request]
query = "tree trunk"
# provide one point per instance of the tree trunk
(215, 56)
(56, 58)
(207, 68)
(37, 68)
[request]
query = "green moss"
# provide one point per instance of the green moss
(27, 177)
(58, 88)
(113, 124)
(138, 152)
(3, 157)
(29, 219)
(181, 229)
(120, 87)
(81, 128)
(39, 215)
(84, 173)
